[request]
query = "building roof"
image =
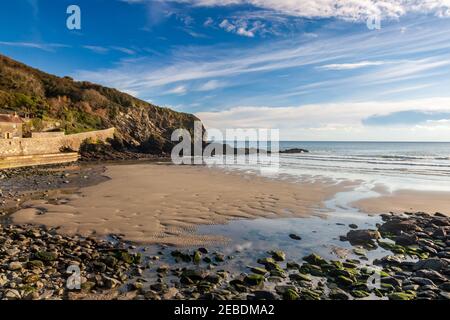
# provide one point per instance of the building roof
(10, 118)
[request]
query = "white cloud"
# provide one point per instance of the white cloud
(227, 26)
(34, 45)
(208, 22)
(148, 76)
(180, 90)
(344, 121)
(355, 10)
(124, 50)
(241, 27)
(96, 49)
(211, 85)
(350, 66)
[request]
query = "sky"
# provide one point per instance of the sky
(315, 70)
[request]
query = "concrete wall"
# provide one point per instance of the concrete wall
(50, 145)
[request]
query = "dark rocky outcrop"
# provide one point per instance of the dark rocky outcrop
(294, 150)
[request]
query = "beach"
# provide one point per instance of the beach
(151, 230)
(151, 203)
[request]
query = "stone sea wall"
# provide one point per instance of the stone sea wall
(51, 144)
(37, 160)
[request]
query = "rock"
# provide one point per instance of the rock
(299, 277)
(294, 150)
(269, 264)
(440, 233)
(395, 226)
(388, 261)
(401, 296)
(362, 237)
(99, 266)
(178, 255)
(346, 281)
(151, 295)
(290, 294)
(219, 257)
(353, 226)
(441, 221)
(258, 270)
(197, 257)
(411, 287)
(360, 252)
(264, 295)
(203, 250)
(170, 294)
(338, 294)
(110, 261)
(213, 278)
(32, 278)
(278, 255)
(164, 268)
(444, 295)
(435, 264)
(254, 280)
(392, 281)
(315, 259)
(422, 281)
(445, 286)
(159, 287)
(46, 256)
(359, 294)
(295, 237)
(195, 275)
(292, 265)
(87, 286)
(15, 265)
(11, 294)
(432, 275)
(110, 283)
(405, 239)
(309, 294)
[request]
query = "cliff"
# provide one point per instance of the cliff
(83, 106)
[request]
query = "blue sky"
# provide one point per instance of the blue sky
(313, 69)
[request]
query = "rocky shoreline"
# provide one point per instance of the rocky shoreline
(36, 263)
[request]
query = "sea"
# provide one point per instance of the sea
(394, 165)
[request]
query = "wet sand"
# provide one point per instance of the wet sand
(406, 201)
(149, 203)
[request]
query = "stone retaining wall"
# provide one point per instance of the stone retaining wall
(35, 160)
(50, 145)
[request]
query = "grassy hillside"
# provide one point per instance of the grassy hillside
(84, 106)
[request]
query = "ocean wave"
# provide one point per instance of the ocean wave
(393, 160)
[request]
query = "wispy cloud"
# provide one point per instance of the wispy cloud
(211, 85)
(350, 66)
(96, 49)
(197, 63)
(179, 90)
(34, 45)
(347, 10)
(105, 49)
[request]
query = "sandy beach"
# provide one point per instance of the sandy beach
(148, 203)
(406, 201)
